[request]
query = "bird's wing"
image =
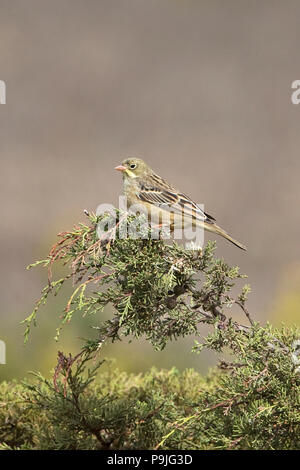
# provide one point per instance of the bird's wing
(159, 193)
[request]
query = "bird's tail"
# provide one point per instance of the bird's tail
(216, 229)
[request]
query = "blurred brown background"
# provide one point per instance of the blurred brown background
(201, 89)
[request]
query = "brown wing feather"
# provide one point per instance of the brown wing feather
(161, 193)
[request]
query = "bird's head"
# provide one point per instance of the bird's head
(133, 168)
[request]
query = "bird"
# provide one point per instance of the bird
(141, 185)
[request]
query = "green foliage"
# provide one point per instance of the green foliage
(160, 292)
(251, 404)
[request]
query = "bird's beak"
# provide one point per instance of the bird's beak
(121, 168)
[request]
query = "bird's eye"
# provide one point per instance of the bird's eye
(133, 166)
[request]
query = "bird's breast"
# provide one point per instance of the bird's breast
(131, 191)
